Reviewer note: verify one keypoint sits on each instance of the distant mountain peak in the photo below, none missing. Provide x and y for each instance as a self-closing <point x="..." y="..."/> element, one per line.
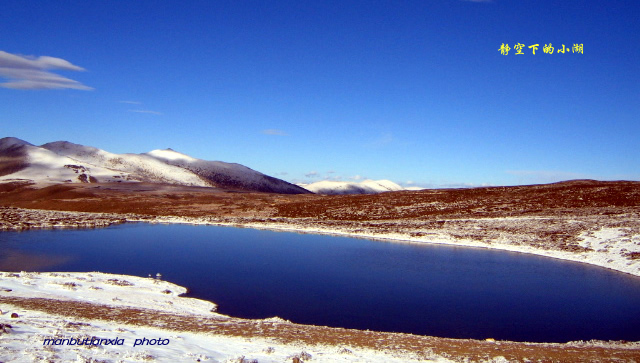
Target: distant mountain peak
<point x="341" y="187"/>
<point x="66" y="147"/>
<point x="12" y="142"/>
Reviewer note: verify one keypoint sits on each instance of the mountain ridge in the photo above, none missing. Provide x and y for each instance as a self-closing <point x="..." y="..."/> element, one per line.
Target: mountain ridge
<point x="66" y="162"/>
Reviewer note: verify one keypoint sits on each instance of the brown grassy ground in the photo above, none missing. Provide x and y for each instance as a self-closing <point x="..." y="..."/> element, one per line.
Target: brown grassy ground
<point x="575" y="198"/>
<point x="552" y="215"/>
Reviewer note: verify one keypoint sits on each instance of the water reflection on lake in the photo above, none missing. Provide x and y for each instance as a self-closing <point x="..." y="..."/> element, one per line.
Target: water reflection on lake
<point x="344" y="282"/>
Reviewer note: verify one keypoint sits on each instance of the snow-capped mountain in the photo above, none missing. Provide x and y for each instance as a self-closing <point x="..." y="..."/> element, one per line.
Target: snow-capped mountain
<point x="65" y="162"/>
<point x="224" y="175"/>
<point x="20" y="160"/>
<point x="136" y="167"/>
<point x="365" y="187"/>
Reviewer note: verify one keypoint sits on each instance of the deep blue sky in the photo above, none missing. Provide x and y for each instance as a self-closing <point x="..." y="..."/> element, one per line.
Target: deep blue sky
<point x="305" y="90"/>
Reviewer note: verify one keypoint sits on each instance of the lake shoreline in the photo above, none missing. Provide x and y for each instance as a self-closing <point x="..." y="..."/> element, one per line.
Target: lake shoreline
<point x="612" y="256"/>
<point x="610" y="261"/>
<point x="437" y="349"/>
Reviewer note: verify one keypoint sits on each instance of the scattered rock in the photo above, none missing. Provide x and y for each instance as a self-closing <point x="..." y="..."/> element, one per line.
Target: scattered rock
<point x="345" y="351"/>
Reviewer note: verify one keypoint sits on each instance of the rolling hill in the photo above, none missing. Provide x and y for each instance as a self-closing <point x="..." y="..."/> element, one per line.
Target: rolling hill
<point x="65" y="162"/>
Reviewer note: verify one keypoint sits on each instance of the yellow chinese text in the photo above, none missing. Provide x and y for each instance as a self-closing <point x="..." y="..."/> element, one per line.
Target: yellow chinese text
<point x="504" y="49"/>
<point x="518" y="47"/>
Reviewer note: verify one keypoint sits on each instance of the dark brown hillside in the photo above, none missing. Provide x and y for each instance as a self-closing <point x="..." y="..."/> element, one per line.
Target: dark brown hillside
<point x="550" y="216"/>
<point x="12" y="158"/>
<point x="566" y="198"/>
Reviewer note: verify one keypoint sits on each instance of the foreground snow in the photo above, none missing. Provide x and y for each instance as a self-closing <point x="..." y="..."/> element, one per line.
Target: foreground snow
<point x="38" y="336"/>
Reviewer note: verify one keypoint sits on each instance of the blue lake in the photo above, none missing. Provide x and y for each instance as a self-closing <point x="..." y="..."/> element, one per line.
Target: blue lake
<point x="344" y="282"/>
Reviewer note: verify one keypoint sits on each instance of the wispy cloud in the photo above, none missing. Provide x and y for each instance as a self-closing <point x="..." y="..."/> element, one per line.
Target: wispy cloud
<point x="147" y="111"/>
<point x="381" y="141"/>
<point x="138" y="103"/>
<point x="274" y="132"/>
<point x="31" y="73"/>
<point x="311" y="174"/>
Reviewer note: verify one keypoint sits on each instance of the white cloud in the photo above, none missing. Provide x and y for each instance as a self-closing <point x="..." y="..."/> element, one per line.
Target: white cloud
<point x="274" y="132"/>
<point x="356" y="177"/>
<point x="25" y="72"/>
<point x="311" y="174"/>
<point x="147" y="111"/>
<point x="131" y="102"/>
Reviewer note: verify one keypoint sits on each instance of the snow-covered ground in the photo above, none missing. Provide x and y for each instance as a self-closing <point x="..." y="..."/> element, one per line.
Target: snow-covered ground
<point x="33" y="335"/>
<point x="119" y="290"/>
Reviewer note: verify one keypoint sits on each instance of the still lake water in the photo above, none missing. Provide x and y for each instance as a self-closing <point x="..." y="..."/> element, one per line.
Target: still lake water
<point x="353" y="283"/>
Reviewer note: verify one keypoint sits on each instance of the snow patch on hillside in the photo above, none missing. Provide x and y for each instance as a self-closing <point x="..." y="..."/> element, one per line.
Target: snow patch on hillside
<point x="140" y="167"/>
<point x="46" y="167"/>
<point x="170" y="154"/>
<point x="607" y="242"/>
